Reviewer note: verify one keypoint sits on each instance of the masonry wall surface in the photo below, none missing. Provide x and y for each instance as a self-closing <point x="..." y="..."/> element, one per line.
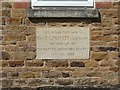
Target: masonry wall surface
<point x="18" y="42"/>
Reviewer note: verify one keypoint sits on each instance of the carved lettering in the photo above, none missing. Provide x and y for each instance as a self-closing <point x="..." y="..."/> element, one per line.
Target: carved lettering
<point x="62" y="43"/>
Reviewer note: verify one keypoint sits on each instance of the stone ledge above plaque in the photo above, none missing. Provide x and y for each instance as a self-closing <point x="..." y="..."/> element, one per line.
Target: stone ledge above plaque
<point x="62" y="43"/>
<point x="63" y="13"/>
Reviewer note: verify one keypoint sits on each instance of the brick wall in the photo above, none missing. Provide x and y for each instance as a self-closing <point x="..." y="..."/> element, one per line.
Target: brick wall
<point x="21" y="69"/>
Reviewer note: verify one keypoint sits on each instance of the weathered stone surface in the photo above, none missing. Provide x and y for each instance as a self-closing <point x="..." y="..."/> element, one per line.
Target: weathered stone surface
<point x="105" y="38"/>
<point x="6" y="5"/>
<point x="7" y="83"/>
<point x="30" y="31"/>
<point x="51" y="74"/>
<point x="35" y="63"/>
<point x="94" y="74"/>
<point x="31" y="38"/>
<point x="78" y="13"/>
<point x="65" y="69"/>
<point x="99" y="55"/>
<point x="92" y="63"/>
<point x="78" y="73"/>
<point x="39" y="69"/>
<point x="19" y="13"/>
<point x="14" y="21"/>
<point x="105" y="63"/>
<point x="113" y="44"/>
<point x="3" y="75"/>
<point x="13" y="37"/>
<point x="29" y="75"/>
<point x="62" y="43"/>
<point x="65" y="74"/>
<point x="83" y="81"/>
<point x="64" y="81"/>
<point x="36" y="82"/>
<point x="13" y="74"/>
<point x="98" y="43"/>
<point x="115" y="69"/>
<point x="16" y="63"/>
<point x="30" y="56"/>
<point x="5" y="55"/>
<point x="20" y="83"/>
<point x="56" y="63"/>
<point x="77" y="64"/>
<point x="4" y="63"/>
<point x="11" y="48"/>
<point x="39" y="82"/>
<point x="110" y="13"/>
<point x="2" y="21"/>
<point x="6" y="13"/>
<point x="21" y="55"/>
<point x="113" y="55"/>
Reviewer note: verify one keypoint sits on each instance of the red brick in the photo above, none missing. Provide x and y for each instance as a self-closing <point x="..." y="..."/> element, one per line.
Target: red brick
<point x="24" y="4"/>
<point x="103" y="5"/>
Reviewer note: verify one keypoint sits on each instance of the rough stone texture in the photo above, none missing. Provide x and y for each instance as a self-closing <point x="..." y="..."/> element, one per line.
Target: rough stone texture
<point x="65" y="74"/>
<point x="64" y="81"/>
<point x="5" y="56"/>
<point x="29" y="75"/>
<point x="16" y="63"/>
<point x="36" y="63"/>
<point x="6" y="5"/>
<point x="21" y="71"/>
<point x="67" y="13"/>
<point x="52" y="74"/>
<point x="77" y="64"/>
<point x="56" y="63"/>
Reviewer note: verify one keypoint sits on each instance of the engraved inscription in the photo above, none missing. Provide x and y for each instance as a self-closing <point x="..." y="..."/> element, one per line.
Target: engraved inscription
<point x="62" y="43"/>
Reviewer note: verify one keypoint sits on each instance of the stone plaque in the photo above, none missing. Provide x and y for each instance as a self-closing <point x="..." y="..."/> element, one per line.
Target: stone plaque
<point x="63" y="43"/>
